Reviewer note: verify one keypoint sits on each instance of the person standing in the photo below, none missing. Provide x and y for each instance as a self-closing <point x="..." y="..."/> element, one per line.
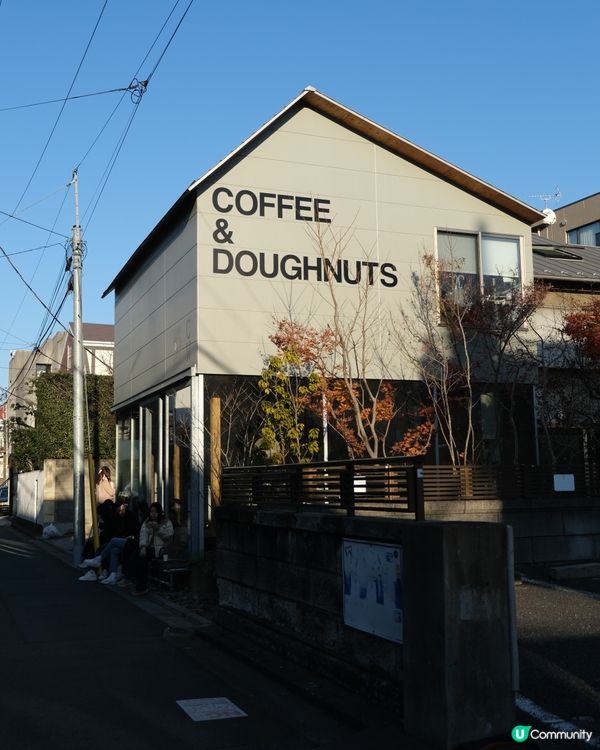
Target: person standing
<point x="105" y="500"/>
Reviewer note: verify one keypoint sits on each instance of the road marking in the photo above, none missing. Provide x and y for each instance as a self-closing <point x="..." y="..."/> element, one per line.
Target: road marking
<point x="551" y="720"/>
<point x="207" y="709"/>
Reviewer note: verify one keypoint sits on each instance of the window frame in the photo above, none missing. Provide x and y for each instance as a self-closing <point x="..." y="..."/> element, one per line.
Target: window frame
<point x="479" y="235"/>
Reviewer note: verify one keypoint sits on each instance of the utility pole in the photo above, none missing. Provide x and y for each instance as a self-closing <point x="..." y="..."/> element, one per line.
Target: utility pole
<point x="78" y="437"/>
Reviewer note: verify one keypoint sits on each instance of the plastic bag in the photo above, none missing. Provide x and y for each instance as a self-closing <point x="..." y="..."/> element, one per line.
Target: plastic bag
<point x="50" y="532"/>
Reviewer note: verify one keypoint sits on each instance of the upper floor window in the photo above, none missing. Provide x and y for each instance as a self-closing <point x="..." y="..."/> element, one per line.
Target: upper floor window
<point x="41" y="369"/>
<point x="586" y="235"/>
<point x="488" y="264"/>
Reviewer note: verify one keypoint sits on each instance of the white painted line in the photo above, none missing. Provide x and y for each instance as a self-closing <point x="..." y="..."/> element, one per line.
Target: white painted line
<point x="207" y="709"/>
<point x="551" y="720"/>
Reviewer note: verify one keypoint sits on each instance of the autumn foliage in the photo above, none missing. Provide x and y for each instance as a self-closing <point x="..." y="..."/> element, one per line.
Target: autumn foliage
<point x="583" y="327"/>
<point x="360" y="410"/>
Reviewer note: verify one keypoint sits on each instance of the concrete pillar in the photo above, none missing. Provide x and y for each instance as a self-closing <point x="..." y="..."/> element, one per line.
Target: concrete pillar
<point x="457" y="632"/>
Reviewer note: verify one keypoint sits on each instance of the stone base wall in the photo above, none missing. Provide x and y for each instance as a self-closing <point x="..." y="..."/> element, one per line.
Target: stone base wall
<point x="454" y="666"/>
<point x="562" y="530"/>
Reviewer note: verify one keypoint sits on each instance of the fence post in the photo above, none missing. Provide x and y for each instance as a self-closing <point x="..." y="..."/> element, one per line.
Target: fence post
<point x="296" y="487"/>
<point x="420" y="492"/>
<point x="415" y="492"/>
<point x="347" y="489"/>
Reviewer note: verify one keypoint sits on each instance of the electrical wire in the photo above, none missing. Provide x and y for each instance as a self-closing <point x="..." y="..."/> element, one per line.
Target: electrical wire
<point x="28" y="285"/>
<point x="139" y="86"/>
<point x="170" y="39"/>
<point x="31" y="224"/>
<point x="131" y="87"/>
<point x="39" y="161"/>
<point x="33" y="249"/>
<point x="91" y="209"/>
<point x="50" y="231"/>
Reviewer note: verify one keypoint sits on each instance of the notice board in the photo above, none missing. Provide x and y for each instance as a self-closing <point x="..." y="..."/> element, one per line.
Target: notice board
<point x="373" y="591"/>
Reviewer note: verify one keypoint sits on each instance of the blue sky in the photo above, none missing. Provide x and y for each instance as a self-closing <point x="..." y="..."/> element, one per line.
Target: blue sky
<point x="505" y="90"/>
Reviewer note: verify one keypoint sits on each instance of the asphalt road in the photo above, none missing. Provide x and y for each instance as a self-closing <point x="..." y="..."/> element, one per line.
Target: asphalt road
<point x="559" y="649"/>
<point x="83" y="667"/>
<point x="86" y="668"/>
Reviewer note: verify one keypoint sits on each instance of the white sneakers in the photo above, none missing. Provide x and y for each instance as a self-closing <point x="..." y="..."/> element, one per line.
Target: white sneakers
<point x="89" y="576"/>
<point x="93" y="562"/>
<point x="111" y="580"/>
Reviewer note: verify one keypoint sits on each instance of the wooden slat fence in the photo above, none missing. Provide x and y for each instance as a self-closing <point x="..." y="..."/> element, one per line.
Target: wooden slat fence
<point x="397" y="485"/>
<point x="353" y="487"/>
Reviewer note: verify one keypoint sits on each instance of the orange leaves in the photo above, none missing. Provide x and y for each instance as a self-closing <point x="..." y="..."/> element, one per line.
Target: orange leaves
<point x="584" y="328"/>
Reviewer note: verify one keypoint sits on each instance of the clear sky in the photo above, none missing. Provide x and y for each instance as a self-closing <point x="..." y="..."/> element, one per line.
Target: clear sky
<point x="506" y="90"/>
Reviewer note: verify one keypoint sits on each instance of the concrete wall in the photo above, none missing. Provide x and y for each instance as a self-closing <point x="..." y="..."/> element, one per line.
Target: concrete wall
<point x="28" y="501"/>
<point x="44" y="497"/>
<point x="563" y="530"/>
<point x="285" y="570"/>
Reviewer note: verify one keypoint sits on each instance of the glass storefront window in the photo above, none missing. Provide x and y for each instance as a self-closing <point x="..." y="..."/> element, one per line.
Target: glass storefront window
<point x="154" y="452"/>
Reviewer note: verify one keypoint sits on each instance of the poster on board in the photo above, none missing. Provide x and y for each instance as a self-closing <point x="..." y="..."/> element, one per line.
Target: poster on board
<point x="373" y="595"/>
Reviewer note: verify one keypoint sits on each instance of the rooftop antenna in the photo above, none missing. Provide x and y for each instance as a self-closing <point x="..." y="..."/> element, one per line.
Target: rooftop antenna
<point x="549" y="215"/>
<point x="547" y="198"/>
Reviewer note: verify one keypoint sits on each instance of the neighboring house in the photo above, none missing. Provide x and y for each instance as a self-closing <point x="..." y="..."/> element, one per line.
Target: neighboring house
<point x="250" y="240"/>
<point x="568" y="389"/>
<point x="577" y="223"/>
<point x="55" y="355"/>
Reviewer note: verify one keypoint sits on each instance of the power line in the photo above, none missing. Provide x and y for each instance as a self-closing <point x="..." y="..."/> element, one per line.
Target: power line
<point x="28" y="285"/>
<point x="171" y="38"/>
<point x="31" y="224"/>
<point x="39" y="161"/>
<point x="33" y="249"/>
<point x="143" y="87"/>
<point x="17" y="311"/>
<point x="132" y="87"/>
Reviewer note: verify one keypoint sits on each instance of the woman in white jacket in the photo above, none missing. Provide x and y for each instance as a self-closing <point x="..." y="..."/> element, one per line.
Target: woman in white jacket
<point x="155" y="534"/>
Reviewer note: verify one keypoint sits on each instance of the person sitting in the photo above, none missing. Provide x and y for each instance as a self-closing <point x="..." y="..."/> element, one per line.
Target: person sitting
<point x="125" y="529"/>
<point x="155" y="534"/>
<point x="178" y="548"/>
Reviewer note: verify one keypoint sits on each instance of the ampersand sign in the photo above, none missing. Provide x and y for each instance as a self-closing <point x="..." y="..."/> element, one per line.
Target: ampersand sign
<point x="222" y="233"/>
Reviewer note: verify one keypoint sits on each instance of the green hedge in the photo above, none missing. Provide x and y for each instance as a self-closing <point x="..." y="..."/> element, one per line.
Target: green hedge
<point x="52" y="436"/>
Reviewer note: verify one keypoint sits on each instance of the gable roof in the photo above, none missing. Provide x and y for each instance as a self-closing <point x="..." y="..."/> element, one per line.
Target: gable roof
<point x="337" y="112"/>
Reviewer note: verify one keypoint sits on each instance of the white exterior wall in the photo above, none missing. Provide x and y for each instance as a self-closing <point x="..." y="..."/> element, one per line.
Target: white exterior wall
<point x="388" y="208"/>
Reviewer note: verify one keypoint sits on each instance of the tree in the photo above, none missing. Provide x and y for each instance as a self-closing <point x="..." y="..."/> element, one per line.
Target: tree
<point x="583" y="326"/>
<point x="287" y="388"/>
<point x="465" y="343"/>
<point x="354" y="354"/>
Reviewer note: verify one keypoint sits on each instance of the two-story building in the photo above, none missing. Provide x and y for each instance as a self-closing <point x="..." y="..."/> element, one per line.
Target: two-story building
<point x="317" y="206"/>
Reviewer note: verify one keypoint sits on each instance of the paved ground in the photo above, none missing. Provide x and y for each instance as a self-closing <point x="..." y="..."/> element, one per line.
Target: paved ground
<point x="86" y="668"/>
<point x="559" y="648"/>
